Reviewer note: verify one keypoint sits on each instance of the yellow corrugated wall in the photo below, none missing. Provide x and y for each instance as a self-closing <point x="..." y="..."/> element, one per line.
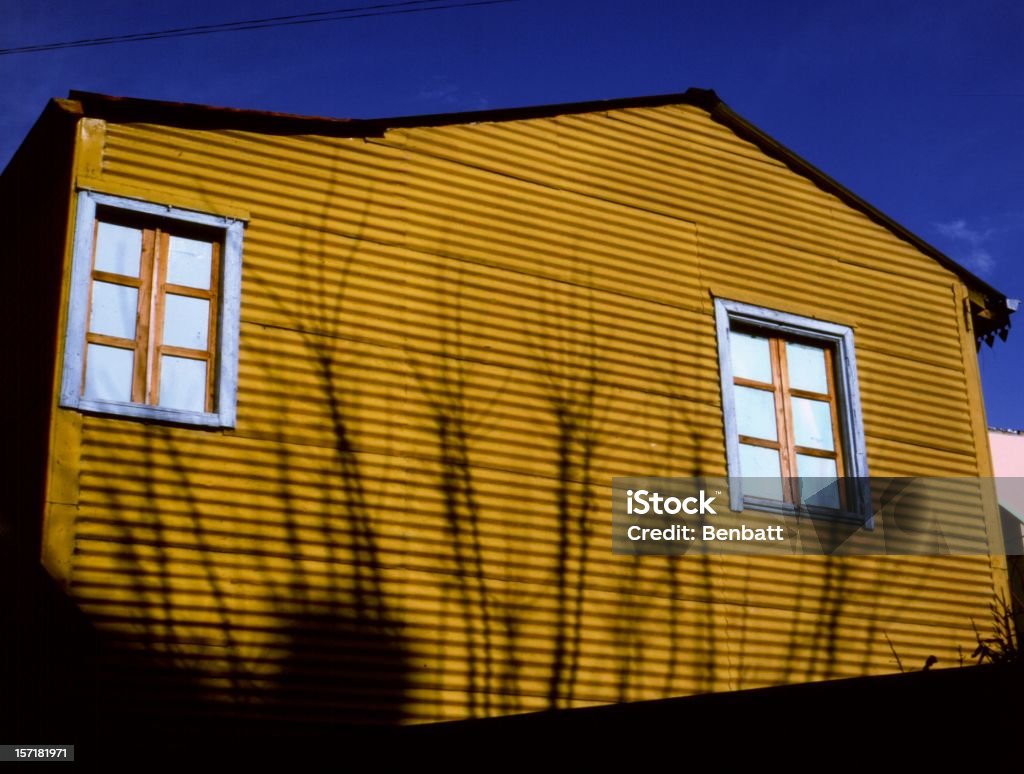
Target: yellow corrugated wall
<point x="452" y="338"/>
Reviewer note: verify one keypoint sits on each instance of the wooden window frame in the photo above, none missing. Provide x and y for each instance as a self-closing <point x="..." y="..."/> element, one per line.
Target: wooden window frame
<point x="837" y="341"/>
<point x="221" y="355"/>
<point x="783" y="393"/>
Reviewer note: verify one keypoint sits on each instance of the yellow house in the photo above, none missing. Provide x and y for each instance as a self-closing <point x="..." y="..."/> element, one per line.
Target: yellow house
<point x="315" y="421"/>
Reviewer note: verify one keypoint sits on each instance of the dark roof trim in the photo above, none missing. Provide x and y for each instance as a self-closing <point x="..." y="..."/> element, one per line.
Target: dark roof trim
<point x="190" y="115"/>
<point x="187" y="114"/>
<point x="772" y="147"/>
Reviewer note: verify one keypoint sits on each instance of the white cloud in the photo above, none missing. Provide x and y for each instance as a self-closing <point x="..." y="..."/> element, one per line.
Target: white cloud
<point x="981" y="261"/>
<point x="972" y="242"/>
<point x="957" y="229"/>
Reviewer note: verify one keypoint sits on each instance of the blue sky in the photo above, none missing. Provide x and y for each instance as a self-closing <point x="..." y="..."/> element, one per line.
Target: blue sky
<point x="917" y="107"/>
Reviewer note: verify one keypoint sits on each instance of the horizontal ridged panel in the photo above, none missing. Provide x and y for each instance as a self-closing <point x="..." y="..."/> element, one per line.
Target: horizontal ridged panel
<point x="340" y="195"/>
<point x="737" y="218"/>
<point x="452" y="338"/>
<point x="516" y="409"/>
<point x="457" y="210"/>
<point x="421" y="304"/>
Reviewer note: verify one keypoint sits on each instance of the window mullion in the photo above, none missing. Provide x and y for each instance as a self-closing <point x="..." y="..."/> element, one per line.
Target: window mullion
<point x="211" y="343"/>
<point x="157" y="330"/>
<point x="144" y="317"/>
<point x="785" y="421"/>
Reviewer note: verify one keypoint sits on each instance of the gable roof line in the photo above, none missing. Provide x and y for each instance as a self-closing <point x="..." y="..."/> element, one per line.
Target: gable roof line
<point x="774" y="148"/>
<point x="191" y="115"/>
<point x="127" y="109"/>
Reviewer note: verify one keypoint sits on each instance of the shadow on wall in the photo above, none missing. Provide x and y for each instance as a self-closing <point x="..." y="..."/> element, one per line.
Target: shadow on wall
<point x="65" y="681"/>
<point x="210" y="614"/>
<point x="233" y="611"/>
<point x="219" y="614"/>
<point x="293" y="638"/>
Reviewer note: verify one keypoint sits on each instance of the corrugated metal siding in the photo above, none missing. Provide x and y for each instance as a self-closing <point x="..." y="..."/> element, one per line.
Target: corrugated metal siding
<point x="451" y="339"/>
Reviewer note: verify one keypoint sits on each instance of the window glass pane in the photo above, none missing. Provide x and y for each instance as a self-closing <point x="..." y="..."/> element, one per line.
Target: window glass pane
<point x="750" y="356"/>
<point x="118" y="249"/>
<point x="762" y="476"/>
<point x="806" y="368"/>
<point x="812" y="424"/>
<point x="755" y="413"/>
<point x="108" y="373"/>
<point x="189" y="262"/>
<point x="114" y="308"/>
<point x="182" y="383"/>
<point x="818" y="482"/>
<point x="186" y="321"/>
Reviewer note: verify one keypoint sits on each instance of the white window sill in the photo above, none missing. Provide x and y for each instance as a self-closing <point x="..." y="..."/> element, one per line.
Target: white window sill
<point x="157" y="413"/>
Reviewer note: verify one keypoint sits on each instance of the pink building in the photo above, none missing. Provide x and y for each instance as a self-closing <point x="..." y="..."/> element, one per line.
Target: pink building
<point x="1007" y="452"/>
<point x="1008" y="463"/>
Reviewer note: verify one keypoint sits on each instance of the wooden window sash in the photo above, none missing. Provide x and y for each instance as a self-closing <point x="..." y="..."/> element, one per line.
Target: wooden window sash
<point x="97" y="275"/>
<point x="185" y="352"/>
<point x="743" y="381"/>
<point x="185" y="290"/>
<point x="810" y="451"/>
<point x="785" y="431"/>
<point x="160" y="275"/>
<point x="765" y="443"/>
<point x="212" y="327"/>
<point x="110" y="341"/>
<point x="160" y="306"/>
<point x="809" y="394"/>
<point x="145" y="315"/>
<point x="117" y="279"/>
<point x="784" y="416"/>
<point x="153" y="287"/>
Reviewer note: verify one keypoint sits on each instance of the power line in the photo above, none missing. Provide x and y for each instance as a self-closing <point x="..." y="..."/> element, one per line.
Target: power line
<point x="358" y="12"/>
<point x="202" y="28"/>
<point x="313" y="17"/>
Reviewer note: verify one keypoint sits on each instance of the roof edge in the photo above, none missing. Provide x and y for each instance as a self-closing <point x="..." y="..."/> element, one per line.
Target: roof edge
<point x="773" y="147"/>
<point x="991" y="309"/>
<point x="193" y="115"/>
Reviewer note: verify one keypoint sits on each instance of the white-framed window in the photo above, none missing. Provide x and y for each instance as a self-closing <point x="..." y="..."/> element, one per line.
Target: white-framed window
<point x="792" y="414"/>
<point x="153" y="312"/>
